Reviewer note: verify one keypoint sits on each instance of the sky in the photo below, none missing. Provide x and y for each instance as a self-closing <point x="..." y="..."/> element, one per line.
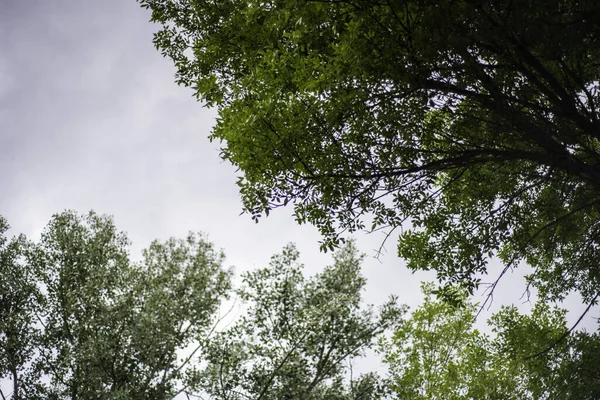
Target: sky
<point x="90" y="118"/>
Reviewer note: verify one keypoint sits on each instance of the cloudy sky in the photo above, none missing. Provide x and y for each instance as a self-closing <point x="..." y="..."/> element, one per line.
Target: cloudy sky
<point x="90" y="119"/>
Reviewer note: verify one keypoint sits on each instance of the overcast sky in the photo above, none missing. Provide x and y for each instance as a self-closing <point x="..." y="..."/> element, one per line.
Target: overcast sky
<point x="90" y="118"/>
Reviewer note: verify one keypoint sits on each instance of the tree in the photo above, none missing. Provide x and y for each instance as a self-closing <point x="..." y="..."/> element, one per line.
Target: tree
<point x="438" y="354"/>
<point x="580" y="376"/>
<point x="19" y="302"/>
<point x="297" y="335"/>
<point x="473" y="125"/>
<point x="106" y="327"/>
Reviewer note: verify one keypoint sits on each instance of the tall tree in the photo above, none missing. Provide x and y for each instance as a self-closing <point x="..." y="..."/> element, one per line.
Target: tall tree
<point x="298" y="335"/>
<point x="105" y="327"/>
<point x="20" y="301"/>
<point x="474" y="123"/>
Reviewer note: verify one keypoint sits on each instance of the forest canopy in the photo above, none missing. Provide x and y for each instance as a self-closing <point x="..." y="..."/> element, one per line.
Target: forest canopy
<point x="80" y="320"/>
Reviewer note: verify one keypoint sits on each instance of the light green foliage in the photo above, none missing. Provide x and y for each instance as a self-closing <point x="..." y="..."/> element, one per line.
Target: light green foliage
<point x="298" y="335"/>
<point x="477" y="122"/>
<point x="79" y="320"/>
<point x="84" y="269"/>
<point x="438" y="354"/>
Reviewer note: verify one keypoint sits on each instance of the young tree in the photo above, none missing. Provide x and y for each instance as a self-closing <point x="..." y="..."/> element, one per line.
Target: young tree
<point x="475" y="122"/>
<point x="439" y="354"/>
<point x="297" y="335"/>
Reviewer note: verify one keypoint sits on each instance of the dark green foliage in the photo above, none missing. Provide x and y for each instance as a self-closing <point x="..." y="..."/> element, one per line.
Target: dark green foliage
<point x="474" y="123"/>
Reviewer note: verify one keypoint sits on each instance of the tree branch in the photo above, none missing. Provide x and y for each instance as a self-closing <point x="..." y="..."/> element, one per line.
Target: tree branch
<point x="567" y="333"/>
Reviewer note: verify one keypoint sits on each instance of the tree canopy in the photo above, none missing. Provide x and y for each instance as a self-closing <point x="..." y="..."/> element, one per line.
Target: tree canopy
<point x="438" y="353"/>
<point x="471" y="125"/>
<point x="80" y="320"/>
<point x="299" y="335"/>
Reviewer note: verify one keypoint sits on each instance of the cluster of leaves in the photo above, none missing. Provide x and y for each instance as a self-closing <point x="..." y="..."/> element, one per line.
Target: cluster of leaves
<point x="79" y="320"/>
<point x="476" y="124"/>
<point x="439" y="354"/>
<point x="297" y="334"/>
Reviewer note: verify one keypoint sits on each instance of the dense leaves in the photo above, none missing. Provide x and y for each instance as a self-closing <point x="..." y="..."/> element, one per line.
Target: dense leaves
<point x="81" y="321"/>
<point x="474" y="123"/>
<point x="19" y="297"/>
<point x="439" y="354"/>
<point x="298" y="335"/>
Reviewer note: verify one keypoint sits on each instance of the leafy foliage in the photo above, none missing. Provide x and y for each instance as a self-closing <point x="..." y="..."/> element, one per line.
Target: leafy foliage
<point x="81" y="321"/>
<point x="19" y="302"/>
<point x="473" y="123"/>
<point x="297" y="334"/>
<point x="438" y="354"/>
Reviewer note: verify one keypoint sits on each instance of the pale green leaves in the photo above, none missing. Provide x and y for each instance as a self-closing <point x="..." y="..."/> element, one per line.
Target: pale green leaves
<point x="439" y="354"/>
<point x="96" y="325"/>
